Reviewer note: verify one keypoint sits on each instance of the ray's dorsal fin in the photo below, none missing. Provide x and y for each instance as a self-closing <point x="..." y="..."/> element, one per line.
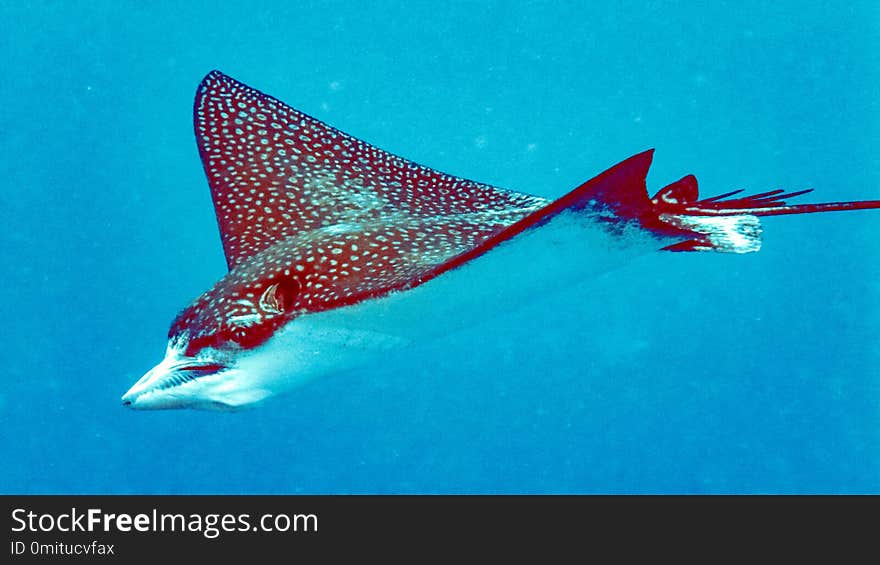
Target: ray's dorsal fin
<point x="275" y="172"/>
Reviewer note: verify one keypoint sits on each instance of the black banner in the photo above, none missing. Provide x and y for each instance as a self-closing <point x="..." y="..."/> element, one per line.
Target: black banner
<point x="129" y="529"/>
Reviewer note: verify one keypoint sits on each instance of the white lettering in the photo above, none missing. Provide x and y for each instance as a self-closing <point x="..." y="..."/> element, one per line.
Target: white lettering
<point x="19" y="520"/>
<point x="94" y="518"/>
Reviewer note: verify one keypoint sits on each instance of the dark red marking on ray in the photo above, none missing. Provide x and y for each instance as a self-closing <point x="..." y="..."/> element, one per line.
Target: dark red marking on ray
<point x="284" y="294"/>
<point x="688" y="245"/>
<point x="682" y="190"/>
<point x="720" y="196"/>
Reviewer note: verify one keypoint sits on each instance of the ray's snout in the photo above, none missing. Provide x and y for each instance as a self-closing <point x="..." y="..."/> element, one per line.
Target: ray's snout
<point x="150" y="385"/>
<point x="173" y="383"/>
<point x="139" y="387"/>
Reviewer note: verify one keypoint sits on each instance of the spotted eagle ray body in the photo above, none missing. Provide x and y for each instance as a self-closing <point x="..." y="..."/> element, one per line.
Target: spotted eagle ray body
<point x="339" y="251"/>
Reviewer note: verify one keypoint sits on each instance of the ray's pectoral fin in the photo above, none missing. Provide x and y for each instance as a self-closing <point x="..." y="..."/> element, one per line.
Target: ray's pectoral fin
<point x="277" y="173"/>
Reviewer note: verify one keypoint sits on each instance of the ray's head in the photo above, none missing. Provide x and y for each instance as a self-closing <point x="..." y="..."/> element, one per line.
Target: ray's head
<point x="208" y="341"/>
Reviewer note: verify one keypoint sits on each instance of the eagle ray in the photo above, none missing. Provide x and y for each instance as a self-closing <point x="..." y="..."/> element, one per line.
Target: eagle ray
<point x="340" y="252"/>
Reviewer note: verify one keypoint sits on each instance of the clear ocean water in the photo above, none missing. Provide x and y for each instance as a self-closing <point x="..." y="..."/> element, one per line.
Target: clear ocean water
<point x="676" y="373"/>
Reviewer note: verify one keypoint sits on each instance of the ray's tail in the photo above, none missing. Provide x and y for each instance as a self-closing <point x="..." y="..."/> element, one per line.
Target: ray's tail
<point x="731" y="224"/>
<point x="720" y="223"/>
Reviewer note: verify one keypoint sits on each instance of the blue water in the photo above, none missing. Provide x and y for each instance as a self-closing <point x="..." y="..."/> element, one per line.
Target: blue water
<point x="678" y="373"/>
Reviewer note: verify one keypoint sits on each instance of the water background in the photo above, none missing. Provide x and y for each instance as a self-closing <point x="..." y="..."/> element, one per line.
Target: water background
<point x="678" y="373"/>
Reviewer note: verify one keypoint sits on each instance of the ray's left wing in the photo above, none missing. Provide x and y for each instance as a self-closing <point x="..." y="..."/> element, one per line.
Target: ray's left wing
<point x="275" y="172"/>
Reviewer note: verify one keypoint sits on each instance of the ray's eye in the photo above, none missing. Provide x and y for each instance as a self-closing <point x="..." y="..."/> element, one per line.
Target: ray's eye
<point x="280" y="297"/>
